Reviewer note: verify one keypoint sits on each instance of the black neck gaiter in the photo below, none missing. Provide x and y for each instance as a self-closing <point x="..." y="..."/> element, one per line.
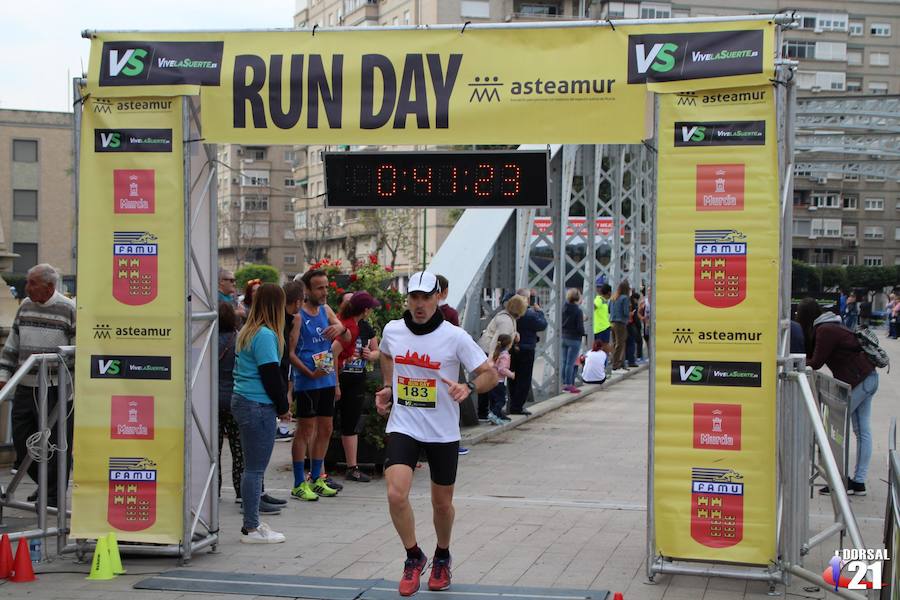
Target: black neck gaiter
<point x="423" y="328"/>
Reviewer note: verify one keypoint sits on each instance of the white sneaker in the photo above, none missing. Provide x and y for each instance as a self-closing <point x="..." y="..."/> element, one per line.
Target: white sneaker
<point x="262" y="535"/>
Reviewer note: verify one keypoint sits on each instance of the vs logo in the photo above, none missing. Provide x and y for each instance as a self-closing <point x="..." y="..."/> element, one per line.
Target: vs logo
<point x="110" y="139"/>
<point x="697" y="133"/>
<point x="130" y="63"/>
<point x="660" y="58"/>
<point x="692" y="373"/>
<point x="109" y="368"/>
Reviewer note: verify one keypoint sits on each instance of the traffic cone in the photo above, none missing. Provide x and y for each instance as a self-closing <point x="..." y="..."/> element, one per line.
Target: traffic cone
<point x="618" y="596"/>
<point x="114" y="558"/>
<point x="101" y="567"/>
<point x="6" y="557"/>
<point x="23" y="572"/>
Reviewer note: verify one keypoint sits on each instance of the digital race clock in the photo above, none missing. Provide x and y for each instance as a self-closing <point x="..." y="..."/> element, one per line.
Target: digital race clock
<point x="481" y="179"/>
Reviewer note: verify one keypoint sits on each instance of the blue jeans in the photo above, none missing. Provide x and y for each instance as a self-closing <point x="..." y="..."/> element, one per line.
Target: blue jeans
<point x="860" y="419"/>
<point x="570" y="350"/>
<point x="498" y="399"/>
<point x="257" y="426"/>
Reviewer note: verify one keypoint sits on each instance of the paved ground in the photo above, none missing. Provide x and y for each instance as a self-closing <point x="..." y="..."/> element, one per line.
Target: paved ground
<point x="559" y="500"/>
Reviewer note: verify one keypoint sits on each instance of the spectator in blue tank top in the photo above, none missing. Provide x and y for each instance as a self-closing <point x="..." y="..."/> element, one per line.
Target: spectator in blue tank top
<point x="315" y="327"/>
<point x="259" y="396"/>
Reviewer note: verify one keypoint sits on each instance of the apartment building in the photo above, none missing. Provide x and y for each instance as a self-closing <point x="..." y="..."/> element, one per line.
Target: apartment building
<point x="407" y="238"/>
<point x="257" y="194"/>
<point x="843" y="48"/>
<point x="37" y="208"/>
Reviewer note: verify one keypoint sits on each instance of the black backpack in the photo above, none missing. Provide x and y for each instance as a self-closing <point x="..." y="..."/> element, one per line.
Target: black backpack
<point x="868" y="341"/>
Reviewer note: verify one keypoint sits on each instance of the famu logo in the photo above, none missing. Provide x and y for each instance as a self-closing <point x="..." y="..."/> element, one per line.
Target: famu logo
<point x="132" y="140"/>
<point x="716" y="373"/>
<point x="680" y="56"/>
<point x="160" y="63"/>
<point x="719" y="133"/>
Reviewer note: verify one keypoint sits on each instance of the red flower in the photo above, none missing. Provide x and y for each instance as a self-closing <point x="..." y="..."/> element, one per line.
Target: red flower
<point x="389" y="269"/>
<point x="373" y="259"/>
<point x="387" y="305"/>
<point x="353" y="277"/>
<point x="340" y="290"/>
<point x="332" y="284"/>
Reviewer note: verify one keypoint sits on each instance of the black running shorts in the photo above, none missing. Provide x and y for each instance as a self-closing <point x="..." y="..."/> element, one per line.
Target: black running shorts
<point x="314" y="403"/>
<point x="443" y="457"/>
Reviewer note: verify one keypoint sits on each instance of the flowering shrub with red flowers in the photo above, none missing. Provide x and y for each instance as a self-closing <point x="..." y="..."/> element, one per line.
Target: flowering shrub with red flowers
<point x="364" y="275"/>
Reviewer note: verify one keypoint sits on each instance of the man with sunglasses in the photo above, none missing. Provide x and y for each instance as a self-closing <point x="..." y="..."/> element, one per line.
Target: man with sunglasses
<point x="420" y="359"/>
<point x="227" y="292"/>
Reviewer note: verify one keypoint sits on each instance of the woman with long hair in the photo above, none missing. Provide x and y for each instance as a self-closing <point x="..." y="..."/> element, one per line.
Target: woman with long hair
<point x="619" y="308"/>
<point x="828" y="342"/>
<point x="572" y="332"/>
<point x="227" y="425"/>
<point x="352" y="358"/>
<point x="259" y="397"/>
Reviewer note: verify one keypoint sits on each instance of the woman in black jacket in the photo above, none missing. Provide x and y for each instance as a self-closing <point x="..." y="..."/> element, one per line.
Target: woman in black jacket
<point x="829" y="343"/>
<point x="227" y="425"/>
<point x="572" y="332"/>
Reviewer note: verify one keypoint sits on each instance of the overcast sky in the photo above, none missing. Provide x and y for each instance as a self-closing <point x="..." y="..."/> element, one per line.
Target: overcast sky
<point x="42" y="48"/>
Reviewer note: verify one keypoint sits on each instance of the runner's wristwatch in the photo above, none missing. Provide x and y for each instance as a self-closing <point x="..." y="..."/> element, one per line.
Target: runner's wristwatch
<point x="470" y="385"/>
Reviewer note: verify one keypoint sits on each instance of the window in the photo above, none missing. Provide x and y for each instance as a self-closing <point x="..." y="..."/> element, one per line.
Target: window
<point x="802" y="227"/>
<point x="650" y="10"/>
<point x="856" y="28"/>
<point x="807" y="21"/>
<point x="873" y="261"/>
<point x="874" y="204"/>
<point x="251" y="178"/>
<point x="879" y="59"/>
<point x="290" y="259"/>
<point x="290" y="156"/>
<point x="255" y="153"/>
<point x="875" y="178"/>
<point x="878" y="87"/>
<point x="289" y="205"/>
<point x="25" y="151"/>
<point x="539" y="9"/>
<point x="831" y="22"/>
<point x="406" y="18"/>
<point x="851" y="202"/>
<point x="826" y="199"/>
<point x="831" y="51"/>
<point x="897" y="233"/>
<point x="880" y="29"/>
<point x="480" y="9"/>
<point x="289" y="182"/>
<point x="848" y="260"/>
<point x="897" y="260"/>
<point x="25" y="205"/>
<point x="854" y="58"/>
<point x="848" y="232"/>
<point x="874" y="232"/>
<point x="796" y="49"/>
<point x="828" y="228"/>
<point x="28" y="257"/>
<point x="257" y="229"/>
<point x="854" y="84"/>
<point x="288" y="234"/>
<point x="255" y="203"/>
<point x="300" y="219"/>
<point x="830" y="80"/>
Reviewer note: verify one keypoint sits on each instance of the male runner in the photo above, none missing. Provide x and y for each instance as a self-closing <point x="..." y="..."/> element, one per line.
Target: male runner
<point x="420" y="359"/>
<point x="315" y="326"/>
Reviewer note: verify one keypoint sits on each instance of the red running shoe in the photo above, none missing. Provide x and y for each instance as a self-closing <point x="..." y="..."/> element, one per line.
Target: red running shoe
<point x="440" y="574"/>
<point x="412" y="571"/>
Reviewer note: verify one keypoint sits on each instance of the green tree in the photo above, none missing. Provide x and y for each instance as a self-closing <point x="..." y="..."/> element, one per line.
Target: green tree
<point x="834" y="276"/>
<point x="871" y="278"/>
<point x="265" y="273"/>
<point x="805" y="279"/>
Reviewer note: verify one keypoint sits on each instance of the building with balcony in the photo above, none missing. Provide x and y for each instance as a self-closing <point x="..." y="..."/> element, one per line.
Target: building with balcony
<point x="843" y="48"/>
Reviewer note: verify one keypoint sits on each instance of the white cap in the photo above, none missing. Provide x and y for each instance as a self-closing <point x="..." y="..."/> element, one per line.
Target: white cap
<point x="423" y="281"/>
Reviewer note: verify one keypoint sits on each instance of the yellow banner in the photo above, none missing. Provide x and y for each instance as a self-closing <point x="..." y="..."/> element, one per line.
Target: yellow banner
<point x="443" y="86"/>
<point x="716" y="311"/>
<point x="129" y="423"/>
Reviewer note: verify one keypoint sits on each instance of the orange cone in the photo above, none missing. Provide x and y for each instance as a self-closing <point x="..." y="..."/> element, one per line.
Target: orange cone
<point x="6" y="557"/>
<point x="23" y="572"/>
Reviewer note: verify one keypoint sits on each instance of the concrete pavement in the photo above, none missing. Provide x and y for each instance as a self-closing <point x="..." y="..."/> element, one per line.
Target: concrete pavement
<point x="559" y="500"/>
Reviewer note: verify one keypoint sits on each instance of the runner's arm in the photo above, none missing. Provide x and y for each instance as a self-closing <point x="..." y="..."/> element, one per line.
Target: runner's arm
<point x="385" y="395"/>
<point x="336" y="329"/>
<point x="292" y="349"/>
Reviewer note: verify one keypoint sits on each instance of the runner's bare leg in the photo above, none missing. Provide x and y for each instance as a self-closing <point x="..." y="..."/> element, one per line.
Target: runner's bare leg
<point x="399" y="481"/>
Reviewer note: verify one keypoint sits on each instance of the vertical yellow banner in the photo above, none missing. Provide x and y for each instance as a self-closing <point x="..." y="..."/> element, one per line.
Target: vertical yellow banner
<point x="716" y="326"/>
<point x="129" y="422"/>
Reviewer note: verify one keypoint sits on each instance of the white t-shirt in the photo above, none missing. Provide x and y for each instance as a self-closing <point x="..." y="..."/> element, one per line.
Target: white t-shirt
<point x="594" y="366"/>
<point x="423" y="409"/>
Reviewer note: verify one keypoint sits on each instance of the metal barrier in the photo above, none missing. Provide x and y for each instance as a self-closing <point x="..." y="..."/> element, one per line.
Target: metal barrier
<point x="43" y="363"/>
<point x="892" y="516"/>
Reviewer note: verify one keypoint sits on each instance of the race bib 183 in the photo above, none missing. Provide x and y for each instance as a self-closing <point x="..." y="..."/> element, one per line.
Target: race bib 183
<point x="417" y="393"/>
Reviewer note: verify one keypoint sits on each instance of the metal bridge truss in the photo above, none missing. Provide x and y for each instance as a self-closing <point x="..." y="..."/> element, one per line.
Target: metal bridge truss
<point x="605" y="194"/>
